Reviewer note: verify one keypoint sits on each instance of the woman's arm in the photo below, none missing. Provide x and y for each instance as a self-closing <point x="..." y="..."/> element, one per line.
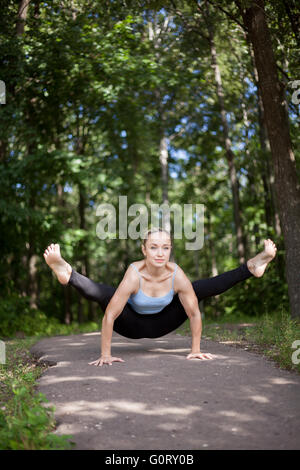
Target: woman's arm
<point x="116" y="304"/>
<point x="188" y="298"/>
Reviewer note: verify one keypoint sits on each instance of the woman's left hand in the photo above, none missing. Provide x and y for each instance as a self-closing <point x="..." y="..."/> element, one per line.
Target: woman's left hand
<point x="199" y="355"/>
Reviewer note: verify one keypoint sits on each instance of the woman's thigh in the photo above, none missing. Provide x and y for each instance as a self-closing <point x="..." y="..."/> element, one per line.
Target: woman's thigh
<point x="91" y="290"/>
<point x="218" y="284"/>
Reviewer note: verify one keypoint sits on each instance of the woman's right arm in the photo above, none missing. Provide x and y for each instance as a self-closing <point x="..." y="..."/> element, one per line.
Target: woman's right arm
<point x="116" y="304"/>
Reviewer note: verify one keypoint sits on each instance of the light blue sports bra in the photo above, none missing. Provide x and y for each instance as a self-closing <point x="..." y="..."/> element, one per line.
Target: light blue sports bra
<point x="143" y="303"/>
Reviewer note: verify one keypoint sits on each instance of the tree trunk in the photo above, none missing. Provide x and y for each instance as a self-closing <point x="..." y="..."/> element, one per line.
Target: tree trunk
<point x="271" y="207"/>
<point x="81" y="248"/>
<point x="294" y="16"/>
<point x="286" y="182"/>
<point x="33" y="284"/>
<point x="66" y="289"/>
<point x="197" y="270"/>
<point x="227" y="142"/>
<point x="22" y="15"/>
<point x="163" y="159"/>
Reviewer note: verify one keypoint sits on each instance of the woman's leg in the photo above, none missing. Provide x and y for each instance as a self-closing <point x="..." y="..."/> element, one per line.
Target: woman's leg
<point x="216" y="285"/>
<point x="66" y="275"/>
<point x="91" y="290"/>
<point x="254" y="267"/>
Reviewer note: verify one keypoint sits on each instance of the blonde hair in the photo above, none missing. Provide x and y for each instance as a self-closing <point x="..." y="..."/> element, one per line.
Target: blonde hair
<point x="154" y="230"/>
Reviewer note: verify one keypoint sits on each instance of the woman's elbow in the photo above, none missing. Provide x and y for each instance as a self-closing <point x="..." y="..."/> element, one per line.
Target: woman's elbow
<point x="110" y="315"/>
<point x="195" y="313"/>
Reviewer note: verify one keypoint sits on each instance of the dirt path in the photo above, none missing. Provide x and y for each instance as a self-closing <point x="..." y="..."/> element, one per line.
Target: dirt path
<point x="158" y="399"/>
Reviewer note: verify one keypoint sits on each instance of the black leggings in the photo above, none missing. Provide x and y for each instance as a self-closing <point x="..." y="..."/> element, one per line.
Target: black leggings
<point x="135" y="325"/>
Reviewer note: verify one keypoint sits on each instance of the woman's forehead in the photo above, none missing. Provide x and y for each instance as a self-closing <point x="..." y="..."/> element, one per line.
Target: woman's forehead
<point x="161" y="238"/>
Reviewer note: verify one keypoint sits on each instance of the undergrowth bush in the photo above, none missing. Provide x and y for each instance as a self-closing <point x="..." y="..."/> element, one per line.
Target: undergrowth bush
<point x="17" y="316"/>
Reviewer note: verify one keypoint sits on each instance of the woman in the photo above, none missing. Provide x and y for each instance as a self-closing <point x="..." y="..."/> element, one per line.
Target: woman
<point x="155" y="296"/>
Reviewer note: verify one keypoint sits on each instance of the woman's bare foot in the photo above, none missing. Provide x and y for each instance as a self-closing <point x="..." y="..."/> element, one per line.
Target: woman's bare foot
<point x="258" y="264"/>
<point x="59" y="266"/>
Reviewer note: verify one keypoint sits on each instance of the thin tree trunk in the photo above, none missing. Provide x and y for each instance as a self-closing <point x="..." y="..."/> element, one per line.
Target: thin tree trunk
<point x="294" y="16"/>
<point x="271" y="205"/>
<point x="286" y="182"/>
<point x="66" y="289"/>
<point x="163" y="159"/>
<point x="214" y="270"/>
<point x="198" y="274"/>
<point x="81" y="248"/>
<point x="32" y="285"/>
<point x="22" y="16"/>
<point x="227" y="142"/>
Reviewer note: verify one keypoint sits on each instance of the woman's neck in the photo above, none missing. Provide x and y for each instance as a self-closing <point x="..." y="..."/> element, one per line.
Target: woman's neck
<point x="155" y="271"/>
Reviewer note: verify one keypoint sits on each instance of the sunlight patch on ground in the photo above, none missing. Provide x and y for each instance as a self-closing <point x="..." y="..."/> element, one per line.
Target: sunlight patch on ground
<point x="281" y="381"/>
<point x="109" y="409"/>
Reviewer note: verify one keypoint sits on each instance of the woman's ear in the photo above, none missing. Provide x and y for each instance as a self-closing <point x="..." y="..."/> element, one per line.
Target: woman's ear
<point x="143" y="250"/>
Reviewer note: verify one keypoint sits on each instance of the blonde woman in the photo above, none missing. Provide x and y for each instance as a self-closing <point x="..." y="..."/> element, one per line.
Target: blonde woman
<point x="155" y="296"/>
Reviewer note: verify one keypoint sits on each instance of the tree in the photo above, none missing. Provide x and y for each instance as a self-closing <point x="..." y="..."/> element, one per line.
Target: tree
<point x="286" y="181"/>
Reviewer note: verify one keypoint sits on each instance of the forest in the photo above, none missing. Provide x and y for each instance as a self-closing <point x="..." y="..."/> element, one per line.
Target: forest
<point x="174" y="102"/>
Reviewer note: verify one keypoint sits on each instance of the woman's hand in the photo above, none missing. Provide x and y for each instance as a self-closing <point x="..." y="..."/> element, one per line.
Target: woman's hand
<point x="199" y="355"/>
<point x="105" y="360"/>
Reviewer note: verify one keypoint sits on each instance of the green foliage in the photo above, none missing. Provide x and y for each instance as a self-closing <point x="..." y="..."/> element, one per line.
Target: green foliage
<point x="276" y="333"/>
<point x="17" y="316"/>
<point x="26" y="421"/>
<point x="28" y="427"/>
<point x="90" y="93"/>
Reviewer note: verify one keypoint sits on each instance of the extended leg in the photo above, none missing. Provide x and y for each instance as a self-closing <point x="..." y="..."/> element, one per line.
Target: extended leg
<point x="216" y="285"/>
<point x="91" y="290"/>
<point x="254" y="267"/>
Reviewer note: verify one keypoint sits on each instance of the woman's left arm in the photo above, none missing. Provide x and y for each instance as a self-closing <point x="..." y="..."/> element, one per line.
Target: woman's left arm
<point x="190" y="304"/>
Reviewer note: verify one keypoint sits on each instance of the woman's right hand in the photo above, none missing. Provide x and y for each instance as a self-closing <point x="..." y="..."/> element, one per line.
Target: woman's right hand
<point x="105" y="360"/>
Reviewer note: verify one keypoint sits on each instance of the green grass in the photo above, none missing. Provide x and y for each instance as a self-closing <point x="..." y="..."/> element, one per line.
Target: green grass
<point x="26" y="421"/>
<point x="270" y="335"/>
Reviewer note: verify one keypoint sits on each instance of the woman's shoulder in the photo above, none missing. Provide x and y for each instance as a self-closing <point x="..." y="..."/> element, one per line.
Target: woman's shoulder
<point x="172" y="266"/>
<point x="137" y="264"/>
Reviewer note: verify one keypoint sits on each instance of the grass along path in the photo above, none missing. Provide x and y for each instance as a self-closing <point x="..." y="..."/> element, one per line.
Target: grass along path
<point x="25" y="422"/>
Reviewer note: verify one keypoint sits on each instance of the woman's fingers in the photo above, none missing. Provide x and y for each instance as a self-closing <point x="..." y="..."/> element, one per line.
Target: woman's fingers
<point x="108" y="361"/>
<point x="208" y="356"/>
<point x="202" y="356"/>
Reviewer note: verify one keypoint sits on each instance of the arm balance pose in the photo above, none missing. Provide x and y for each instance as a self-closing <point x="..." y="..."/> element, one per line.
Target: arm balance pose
<point x="144" y="305"/>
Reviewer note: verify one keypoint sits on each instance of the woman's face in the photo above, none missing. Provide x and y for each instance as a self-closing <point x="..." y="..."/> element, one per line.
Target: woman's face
<point x="157" y="249"/>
